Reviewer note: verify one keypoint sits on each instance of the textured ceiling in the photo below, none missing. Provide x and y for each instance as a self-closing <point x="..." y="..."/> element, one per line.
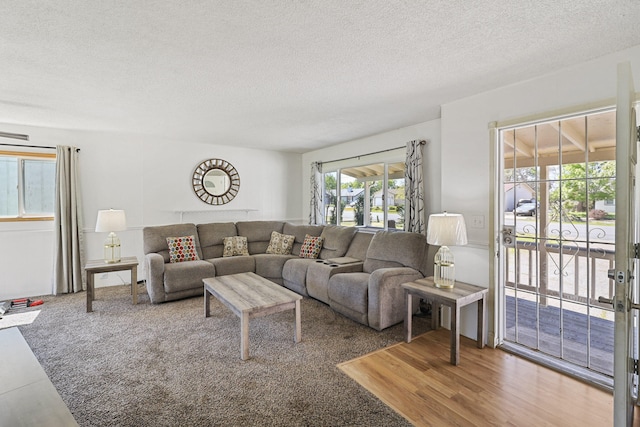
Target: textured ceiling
<point x="292" y="75"/>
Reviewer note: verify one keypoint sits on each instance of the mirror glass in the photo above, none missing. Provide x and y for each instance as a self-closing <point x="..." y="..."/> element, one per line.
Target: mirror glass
<point x="216" y="181"/>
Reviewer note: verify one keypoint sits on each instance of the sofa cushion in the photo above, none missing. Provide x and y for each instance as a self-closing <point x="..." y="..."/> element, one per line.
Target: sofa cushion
<point x="258" y="233"/>
<point x="350" y="291"/>
<point x="319" y="273"/>
<point x="300" y="231"/>
<point x="336" y="240"/>
<point x="235" y="246"/>
<point x="182" y="249"/>
<point x="359" y="245"/>
<point x="234" y="265"/>
<point x="186" y="275"/>
<point x="294" y="274"/>
<point x="311" y="247"/>
<point x="280" y="244"/>
<point x="155" y="238"/>
<point x="396" y="249"/>
<point x="270" y="266"/>
<point x="212" y="237"/>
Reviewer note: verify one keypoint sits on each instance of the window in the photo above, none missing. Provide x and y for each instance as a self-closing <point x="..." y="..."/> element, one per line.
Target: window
<point x="27" y="186"/>
<point x="369" y="195"/>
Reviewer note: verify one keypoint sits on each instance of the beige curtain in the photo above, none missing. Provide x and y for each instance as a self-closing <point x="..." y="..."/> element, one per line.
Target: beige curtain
<point x="414" y="189"/>
<point x="68" y="274"/>
<point x="315" y="199"/>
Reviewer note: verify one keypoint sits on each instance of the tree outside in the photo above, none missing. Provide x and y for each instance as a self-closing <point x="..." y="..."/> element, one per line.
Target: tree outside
<point x="584" y="184"/>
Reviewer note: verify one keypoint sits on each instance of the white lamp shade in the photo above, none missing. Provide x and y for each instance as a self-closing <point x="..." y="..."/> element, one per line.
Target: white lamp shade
<point x="111" y="220"/>
<point x="446" y="230"/>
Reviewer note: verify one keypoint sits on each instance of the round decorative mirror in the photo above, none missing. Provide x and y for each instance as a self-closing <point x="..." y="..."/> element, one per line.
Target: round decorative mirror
<point x="216" y="181"/>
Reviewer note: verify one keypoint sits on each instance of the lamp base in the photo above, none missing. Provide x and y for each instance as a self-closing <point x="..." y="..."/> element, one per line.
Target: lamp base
<point x="112" y="249"/>
<point x="444" y="285"/>
<point x="444" y="269"/>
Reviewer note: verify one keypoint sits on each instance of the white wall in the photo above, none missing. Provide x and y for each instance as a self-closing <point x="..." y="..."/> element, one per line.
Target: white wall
<point x="466" y="148"/>
<point x="150" y="179"/>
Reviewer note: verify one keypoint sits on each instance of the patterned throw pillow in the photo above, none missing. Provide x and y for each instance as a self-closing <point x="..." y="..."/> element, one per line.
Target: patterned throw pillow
<point x="311" y="246"/>
<point x="236" y="245"/>
<point x="281" y="244"/>
<point x="182" y="249"/>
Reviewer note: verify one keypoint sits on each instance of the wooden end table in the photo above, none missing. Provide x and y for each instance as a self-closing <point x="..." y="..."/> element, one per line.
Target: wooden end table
<point x="100" y="266"/>
<point x="249" y="295"/>
<point x="457" y="297"/>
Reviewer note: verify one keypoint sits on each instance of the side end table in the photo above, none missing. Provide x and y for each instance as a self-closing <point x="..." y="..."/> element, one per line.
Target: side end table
<point x="99" y="266"/>
<point x="457" y="297"/>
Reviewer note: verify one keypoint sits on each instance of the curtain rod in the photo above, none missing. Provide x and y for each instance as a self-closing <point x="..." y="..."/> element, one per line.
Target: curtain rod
<point x="46" y="147"/>
<point x="368" y="154"/>
<point x="14" y="136"/>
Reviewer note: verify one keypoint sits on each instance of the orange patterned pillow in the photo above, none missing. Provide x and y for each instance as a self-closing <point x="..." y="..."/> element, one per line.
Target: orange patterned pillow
<point x="182" y="249"/>
<point x="311" y="246"/>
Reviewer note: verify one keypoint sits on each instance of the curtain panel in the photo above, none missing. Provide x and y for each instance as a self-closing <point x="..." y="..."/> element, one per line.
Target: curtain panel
<point x="414" y="189"/>
<point x="68" y="274"/>
<point x="315" y="203"/>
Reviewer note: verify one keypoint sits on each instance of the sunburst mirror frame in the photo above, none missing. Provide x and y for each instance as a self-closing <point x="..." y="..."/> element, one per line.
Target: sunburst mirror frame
<point x="203" y="178"/>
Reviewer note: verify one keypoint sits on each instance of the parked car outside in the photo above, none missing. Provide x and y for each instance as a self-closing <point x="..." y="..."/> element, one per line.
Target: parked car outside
<point x="527" y="209"/>
<point x="523" y="201"/>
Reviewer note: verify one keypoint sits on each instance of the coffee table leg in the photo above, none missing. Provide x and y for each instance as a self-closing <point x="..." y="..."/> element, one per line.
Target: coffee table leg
<point x="244" y="336"/>
<point x="298" y="332"/>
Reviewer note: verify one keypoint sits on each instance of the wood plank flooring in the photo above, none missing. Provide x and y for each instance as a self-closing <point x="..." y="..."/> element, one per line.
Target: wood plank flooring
<point x="488" y="387"/>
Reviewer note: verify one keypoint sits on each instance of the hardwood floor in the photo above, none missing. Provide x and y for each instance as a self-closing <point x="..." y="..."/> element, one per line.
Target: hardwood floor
<point x="488" y="387"/>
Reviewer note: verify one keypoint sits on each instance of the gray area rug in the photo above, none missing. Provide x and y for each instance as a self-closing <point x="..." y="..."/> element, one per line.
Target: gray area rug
<point x="168" y="365"/>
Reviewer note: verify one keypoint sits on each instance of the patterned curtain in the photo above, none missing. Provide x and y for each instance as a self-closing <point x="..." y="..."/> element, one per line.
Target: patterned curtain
<point x="414" y="189"/>
<point x="315" y="203"/>
<point x="68" y="275"/>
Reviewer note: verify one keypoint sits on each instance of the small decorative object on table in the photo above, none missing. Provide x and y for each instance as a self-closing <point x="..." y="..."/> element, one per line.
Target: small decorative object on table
<point x="109" y="221"/>
<point x="445" y="230"/>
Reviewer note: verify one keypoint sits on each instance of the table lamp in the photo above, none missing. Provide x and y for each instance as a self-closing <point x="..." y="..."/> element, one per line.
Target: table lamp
<point x="444" y="230"/>
<point x="110" y="221"/>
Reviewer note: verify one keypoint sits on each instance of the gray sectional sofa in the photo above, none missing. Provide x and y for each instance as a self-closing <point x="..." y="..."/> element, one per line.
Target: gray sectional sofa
<point x="357" y="273"/>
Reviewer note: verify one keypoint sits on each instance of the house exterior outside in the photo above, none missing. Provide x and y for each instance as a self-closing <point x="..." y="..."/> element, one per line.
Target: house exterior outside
<point x="609" y="206"/>
<point x="515" y="192"/>
<point x="394" y="197"/>
<point x="350" y="195"/>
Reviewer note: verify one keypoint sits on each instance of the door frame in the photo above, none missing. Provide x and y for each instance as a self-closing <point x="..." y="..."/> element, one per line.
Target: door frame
<point x="625" y="334"/>
<point x="496" y="320"/>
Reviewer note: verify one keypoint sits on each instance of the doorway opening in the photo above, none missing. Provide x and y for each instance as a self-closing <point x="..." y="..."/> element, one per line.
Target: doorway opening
<point x="557" y="206"/>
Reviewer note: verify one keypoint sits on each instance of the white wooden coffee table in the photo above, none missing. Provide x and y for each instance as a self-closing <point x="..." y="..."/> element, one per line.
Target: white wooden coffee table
<point x="249" y="295"/>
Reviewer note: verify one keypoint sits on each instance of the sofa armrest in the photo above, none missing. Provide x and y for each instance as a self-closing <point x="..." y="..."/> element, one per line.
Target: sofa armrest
<point x="154" y="268"/>
<point x="386" y="296"/>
